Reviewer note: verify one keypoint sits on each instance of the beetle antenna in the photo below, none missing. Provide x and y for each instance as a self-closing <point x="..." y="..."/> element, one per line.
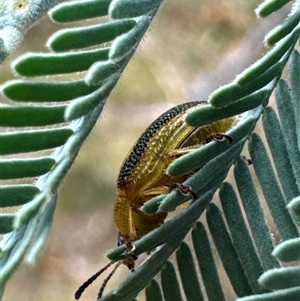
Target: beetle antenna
<point x="107" y="279"/>
<point x="82" y="288"/>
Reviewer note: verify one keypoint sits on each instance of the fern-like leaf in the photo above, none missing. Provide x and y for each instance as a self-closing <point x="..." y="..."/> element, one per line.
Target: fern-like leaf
<point x="83" y="101"/>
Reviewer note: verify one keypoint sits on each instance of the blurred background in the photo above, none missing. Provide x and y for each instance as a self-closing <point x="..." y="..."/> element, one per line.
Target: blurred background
<point x="192" y="48"/>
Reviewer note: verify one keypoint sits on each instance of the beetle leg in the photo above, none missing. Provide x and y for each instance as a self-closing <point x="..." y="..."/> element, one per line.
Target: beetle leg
<point x="185" y="150"/>
<point x="129" y="261"/>
<point x="184" y="189"/>
<point x="131" y="247"/>
<point x="182" y="151"/>
<point x="154" y="191"/>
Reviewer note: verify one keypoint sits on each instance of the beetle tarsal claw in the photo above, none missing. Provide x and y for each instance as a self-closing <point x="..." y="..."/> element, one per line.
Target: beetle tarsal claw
<point x="218" y="137"/>
<point x="184" y="189"/>
<point x="130" y="247"/>
<point x="247" y="160"/>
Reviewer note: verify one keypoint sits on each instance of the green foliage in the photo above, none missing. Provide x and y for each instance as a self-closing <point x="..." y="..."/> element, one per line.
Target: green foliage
<point x="251" y="262"/>
<point x="28" y="228"/>
<point x="244" y="243"/>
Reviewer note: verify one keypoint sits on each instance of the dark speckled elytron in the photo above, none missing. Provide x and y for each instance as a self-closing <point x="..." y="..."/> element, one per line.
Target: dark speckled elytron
<point x="141" y="145"/>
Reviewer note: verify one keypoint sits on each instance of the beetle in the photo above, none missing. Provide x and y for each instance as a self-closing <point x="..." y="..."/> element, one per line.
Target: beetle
<point x="143" y="175"/>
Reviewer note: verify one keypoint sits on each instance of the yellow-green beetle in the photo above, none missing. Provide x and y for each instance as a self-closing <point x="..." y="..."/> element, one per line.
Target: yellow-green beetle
<point x="143" y="174"/>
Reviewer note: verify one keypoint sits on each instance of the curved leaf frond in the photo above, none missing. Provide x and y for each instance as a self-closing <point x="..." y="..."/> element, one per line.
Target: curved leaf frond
<point x="242" y="237"/>
<point x="72" y="107"/>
